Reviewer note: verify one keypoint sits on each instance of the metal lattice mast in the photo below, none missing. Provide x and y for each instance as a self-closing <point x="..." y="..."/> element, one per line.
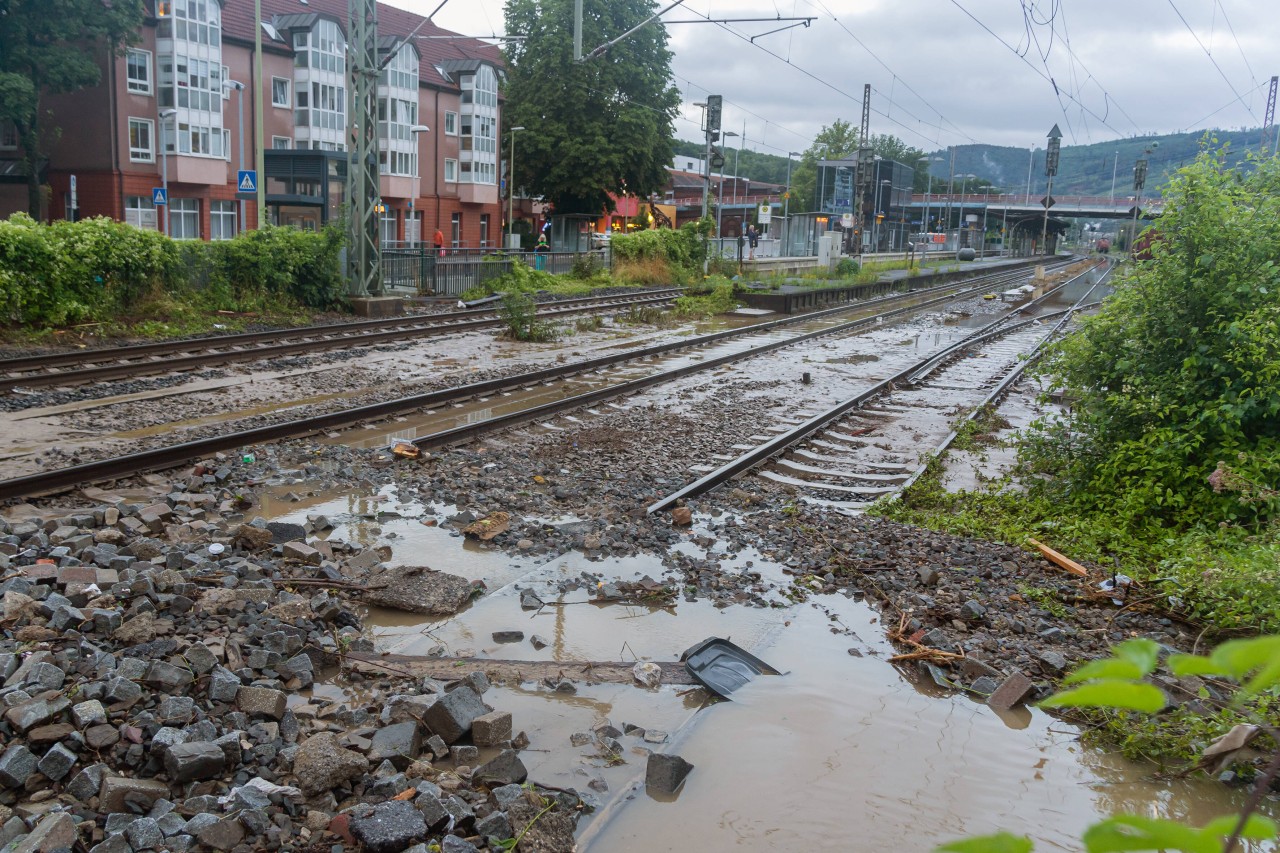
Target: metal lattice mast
<point x="861" y="172"/>
<point x="364" y="251"/>
<point x="1269" y="122"/>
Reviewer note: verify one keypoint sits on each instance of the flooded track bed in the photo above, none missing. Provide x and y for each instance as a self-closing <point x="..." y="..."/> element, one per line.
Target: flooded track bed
<point x="845" y="751"/>
<point x="337" y="409"/>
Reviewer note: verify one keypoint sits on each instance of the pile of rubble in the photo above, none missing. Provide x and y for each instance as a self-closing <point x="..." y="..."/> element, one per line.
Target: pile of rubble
<point x="151" y="663"/>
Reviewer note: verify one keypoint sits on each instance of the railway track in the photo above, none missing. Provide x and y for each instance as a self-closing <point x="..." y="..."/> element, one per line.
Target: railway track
<point x="870" y="445"/>
<point x="746" y="343"/>
<point x="99" y="365"/>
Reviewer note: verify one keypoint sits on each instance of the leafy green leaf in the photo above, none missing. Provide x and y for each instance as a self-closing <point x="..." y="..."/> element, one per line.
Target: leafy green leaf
<point x="1141" y="652"/>
<point x="1239" y="658"/>
<point x="1184" y="665"/>
<point x="1125" y="833"/>
<point x="1001" y="842"/>
<point x="1105" y="668"/>
<point x="1109" y="693"/>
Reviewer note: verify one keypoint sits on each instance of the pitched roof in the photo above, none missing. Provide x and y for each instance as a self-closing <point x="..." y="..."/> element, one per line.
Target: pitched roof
<point x="237" y="22"/>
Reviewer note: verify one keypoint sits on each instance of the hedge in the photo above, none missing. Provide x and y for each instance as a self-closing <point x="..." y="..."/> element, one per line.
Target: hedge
<point x="96" y="269"/>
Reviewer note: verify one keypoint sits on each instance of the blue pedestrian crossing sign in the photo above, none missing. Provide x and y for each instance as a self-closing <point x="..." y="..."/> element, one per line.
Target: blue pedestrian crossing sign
<point x="159" y="196"/>
<point x="247" y="181"/>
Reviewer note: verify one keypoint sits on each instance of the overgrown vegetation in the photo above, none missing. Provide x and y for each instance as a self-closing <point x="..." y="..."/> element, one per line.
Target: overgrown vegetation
<point x="99" y="270"/>
<point x="713" y="295"/>
<point x="1170" y="454"/>
<point x="661" y="256"/>
<point x="519" y="313"/>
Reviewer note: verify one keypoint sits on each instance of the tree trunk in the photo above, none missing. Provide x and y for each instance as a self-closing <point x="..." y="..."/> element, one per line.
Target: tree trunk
<point x="29" y="136"/>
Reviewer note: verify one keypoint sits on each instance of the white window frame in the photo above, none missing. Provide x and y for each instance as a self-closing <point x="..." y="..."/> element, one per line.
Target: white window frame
<point x="288" y="92"/>
<point x="450" y="123"/>
<point x="146" y="87"/>
<point x="287" y="140"/>
<point x="222" y="212"/>
<point x="450" y="170"/>
<point x="139" y="155"/>
<point x="177" y="210"/>
<point x="135" y="206"/>
<point x="226" y="90"/>
<point x="226" y="144"/>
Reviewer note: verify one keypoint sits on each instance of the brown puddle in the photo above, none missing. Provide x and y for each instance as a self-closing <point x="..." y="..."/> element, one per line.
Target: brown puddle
<point x="843" y="752"/>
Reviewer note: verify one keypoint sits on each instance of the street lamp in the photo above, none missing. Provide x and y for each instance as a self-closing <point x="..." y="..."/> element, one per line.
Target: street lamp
<point x="165" y="115"/>
<point x="239" y="87"/>
<point x="786" y="200"/>
<point x="964" y="182"/>
<point x="511" y="190"/>
<point x="415" y="129"/>
<point x="720" y="189"/>
<point x="875" y="231"/>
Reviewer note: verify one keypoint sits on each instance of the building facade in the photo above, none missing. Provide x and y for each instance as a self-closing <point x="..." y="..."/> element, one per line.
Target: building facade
<point x="177" y="109"/>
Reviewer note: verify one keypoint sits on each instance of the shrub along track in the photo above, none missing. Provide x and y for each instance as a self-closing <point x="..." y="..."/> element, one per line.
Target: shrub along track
<point x="119" y="467"/>
<point x="99" y="365"/>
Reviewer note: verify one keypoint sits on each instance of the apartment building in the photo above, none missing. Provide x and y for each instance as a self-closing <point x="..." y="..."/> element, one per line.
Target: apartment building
<point x="180" y="100"/>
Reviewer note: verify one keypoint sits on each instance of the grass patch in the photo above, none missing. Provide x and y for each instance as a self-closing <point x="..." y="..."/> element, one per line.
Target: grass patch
<point x="714" y="296"/>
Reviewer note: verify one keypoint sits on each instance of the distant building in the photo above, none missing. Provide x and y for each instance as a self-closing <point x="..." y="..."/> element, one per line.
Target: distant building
<point x="184" y="60"/>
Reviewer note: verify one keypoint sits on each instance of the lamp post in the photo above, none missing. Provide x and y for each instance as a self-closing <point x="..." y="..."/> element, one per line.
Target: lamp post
<point x="720" y="190"/>
<point x="165" y="115"/>
<point x="786" y="200"/>
<point x="964" y="182"/>
<point x="1114" y="164"/>
<point x="875" y="229"/>
<point x="415" y="130"/>
<point x="239" y="87"/>
<point x="511" y="190"/>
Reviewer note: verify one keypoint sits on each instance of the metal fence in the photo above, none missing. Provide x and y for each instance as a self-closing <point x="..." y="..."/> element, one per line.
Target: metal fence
<point x="450" y="272"/>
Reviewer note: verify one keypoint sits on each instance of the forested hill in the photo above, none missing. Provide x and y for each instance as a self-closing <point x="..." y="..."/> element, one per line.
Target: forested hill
<point x="1082" y="169"/>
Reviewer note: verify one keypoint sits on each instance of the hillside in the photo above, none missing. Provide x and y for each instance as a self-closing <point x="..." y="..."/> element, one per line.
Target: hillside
<point x="1082" y="169"/>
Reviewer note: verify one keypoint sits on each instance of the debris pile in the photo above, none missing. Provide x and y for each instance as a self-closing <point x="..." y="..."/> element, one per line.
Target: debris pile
<point x="151" y="658"/>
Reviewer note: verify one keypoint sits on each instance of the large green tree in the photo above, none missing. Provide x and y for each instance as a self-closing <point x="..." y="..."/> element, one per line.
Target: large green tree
<point x="602" y="125"/>
<point x="52" y="47"/>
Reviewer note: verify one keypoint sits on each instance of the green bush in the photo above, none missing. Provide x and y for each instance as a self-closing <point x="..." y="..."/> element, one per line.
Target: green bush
<point x="99" y="269"/>
<point x="682" y="249"/>
<point x="65" y="273"/>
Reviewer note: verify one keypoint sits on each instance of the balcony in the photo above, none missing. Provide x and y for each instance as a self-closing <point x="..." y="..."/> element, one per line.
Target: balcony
<point x="478" y="193"/>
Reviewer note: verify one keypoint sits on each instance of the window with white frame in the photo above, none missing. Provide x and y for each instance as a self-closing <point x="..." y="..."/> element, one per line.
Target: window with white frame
<point x="226" y="76"/>
<point x="189" y="76"/>
<point x="451" y="124"/>
<point x="222" y="220"/>
<point x="450" y="171"/>
<point x="319" y="87"/>
<point x="200" y="139"/>
<point x="388" y="226"/>
<point x="478" y="127"/>
<point x="398" y="114"/>
<point x="138" y="71"/>
<point x="280" y="92"/>
<point x="184" y="218"/>
<point x="281" y="143"/>
<point x="142" y="140"/>
<point x="139" y="212"/>
<point x="226" y="144"/>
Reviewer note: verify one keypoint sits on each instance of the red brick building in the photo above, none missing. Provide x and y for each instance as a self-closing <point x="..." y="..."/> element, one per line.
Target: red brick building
<point x="439" y="115"/>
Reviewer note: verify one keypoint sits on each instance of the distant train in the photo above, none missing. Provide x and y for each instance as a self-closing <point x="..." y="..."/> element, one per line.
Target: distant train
<point x="1104" y="246"/>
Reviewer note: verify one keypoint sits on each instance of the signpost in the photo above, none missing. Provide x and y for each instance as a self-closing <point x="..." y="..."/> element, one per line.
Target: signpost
<point x="1050" y="169"/>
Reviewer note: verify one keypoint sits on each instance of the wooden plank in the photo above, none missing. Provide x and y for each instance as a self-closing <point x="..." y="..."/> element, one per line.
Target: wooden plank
<point x="1061" y="561"/>
<point x="446" y="669"/>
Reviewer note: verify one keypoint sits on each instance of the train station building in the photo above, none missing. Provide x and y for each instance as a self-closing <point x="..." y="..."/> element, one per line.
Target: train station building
<point x="172" y="103"/>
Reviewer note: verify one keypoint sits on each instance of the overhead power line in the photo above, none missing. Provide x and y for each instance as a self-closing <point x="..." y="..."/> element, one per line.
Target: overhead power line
<point x="1221" y="73"/>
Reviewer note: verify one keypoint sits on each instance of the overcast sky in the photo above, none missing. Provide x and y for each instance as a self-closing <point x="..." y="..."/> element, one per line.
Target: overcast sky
<point x="1122" y="67"/>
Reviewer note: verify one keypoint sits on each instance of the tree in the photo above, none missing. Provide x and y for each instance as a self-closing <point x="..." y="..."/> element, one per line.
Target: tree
<point x="603" y="125"/>
<point x="52" y="47"/>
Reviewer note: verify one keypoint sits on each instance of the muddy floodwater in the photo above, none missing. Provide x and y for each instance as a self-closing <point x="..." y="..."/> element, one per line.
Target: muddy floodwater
<point x="845" y="751"/>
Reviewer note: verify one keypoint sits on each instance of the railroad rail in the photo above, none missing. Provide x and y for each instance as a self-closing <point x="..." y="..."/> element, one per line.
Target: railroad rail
<point x="97" y="365"/>
<point x="174" y="455"/>
<point x="833" y="446"/>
